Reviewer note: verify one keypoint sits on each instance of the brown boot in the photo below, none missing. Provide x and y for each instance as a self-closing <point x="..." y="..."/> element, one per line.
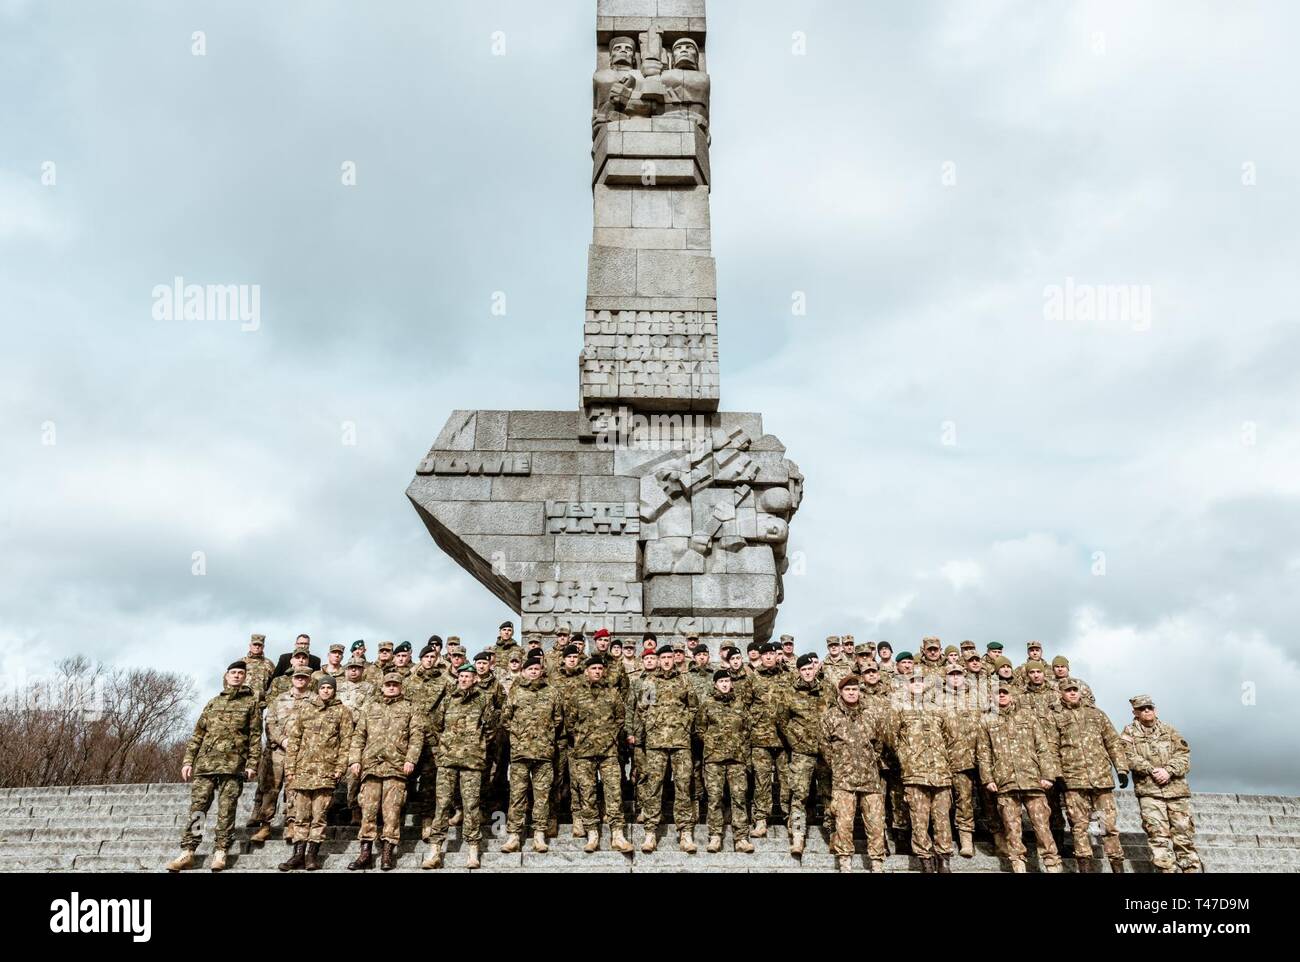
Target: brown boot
<point x="183" y="861"/>
<point x="715" y="844"/>
<point x="651" y="840"/>
<point x="297" y="859"/>
<point x="878" y="866"/>
<point x="512" y="843"/>
<point x="435" y="855"/>
<point x="539" y="842"/>
<point x="686" y="841"/>
<point x="578" y="830"/>
<point x="457" y="817"/>
<point x="593" y="841"/>
<point x="471" y="857"/>
<point x="387" y="856"/>
<point x="1018" y="866"/>
<point x="966" y="842"/>
<point x="760" y="829"/>
<point x="941" y="864"/>
<point x="218" y="863"/>
<point x="261" y="835"/>
<point x="365" y="858"/>
<point x="796" y="843"/>
<point x="618" y="841"/>
<point x="313" y="863"/>
<point x="1117" y="866"/>
<point x="744" y="845"/>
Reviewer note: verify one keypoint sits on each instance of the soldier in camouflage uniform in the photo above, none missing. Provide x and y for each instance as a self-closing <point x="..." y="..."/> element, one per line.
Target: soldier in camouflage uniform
<point x="932" y="662"/>
<point x="532" y="719"/>
<point x="785" y="655"/>
<point x="723" y="726"/>
<point x="1034" y="650"/>
<point x="895" y="676"/>
<point x="964" y="712"/>
<point x="386" y="743"/>
<point x="836" y="665"/>
<point x="885" y="658"/>
<point x="260" y="668"/>
<point x="567" y="675"/>
<point x="224" y="751"/>
<point x="1036" y="692"/>
<point x="1061" y="671"/>
<point x="494" y="792"/>
<point x="333" y="666"/>
<point x="850" y="735"/>
<point x="639" y="687"/>
<point x="1016" y="764"/>
<point x="402" y="661"/>
<point x="320" y="736"/>
<point x="924" y="740"/>
<point x="353" y="692"/>
<point x="664" y="713"/>
<point x="992" y="652"/>
<point x="700" y="674"/>
<point x="505" y="643"/>
<point x="1159" y="758"/>
<point x="463" y="726"/>
<point x="594" y="717"/>
<point x="798" y="722"/>
<point x="383" y="664"/>
<point x="428" y="685"/>
<point x="768" y="686"/>
<point x="742" y="685"/>
<point x="555" y="657"/>
<point x="1086" y="746"/>
<point x="279" y="713"/>
<point x="282" y="683"/>
<point x="976" y="669"/>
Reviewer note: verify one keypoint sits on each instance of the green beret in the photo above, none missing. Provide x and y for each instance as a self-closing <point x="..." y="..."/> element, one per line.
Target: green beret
<point x="994" y="646"/>
<point x="904" y="656"/>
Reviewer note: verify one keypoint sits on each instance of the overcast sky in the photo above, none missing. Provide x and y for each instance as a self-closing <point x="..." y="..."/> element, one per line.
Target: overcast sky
<point x="926" y="174"/>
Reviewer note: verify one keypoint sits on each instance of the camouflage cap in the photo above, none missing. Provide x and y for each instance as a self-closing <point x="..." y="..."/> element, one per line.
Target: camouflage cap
<point x="453" y="639"/>
<point x="1060" y="661"/>
<point x="1070" y="683"/>
<point x="968" y="644"/>
<point x="257" y="640"/>
<point x="956" y="670"/>
<point x="1031" y="645"/>
<point x="930" y="642"/>
<point x="1142" y="701"/>
<point x="848" y="639"/>
<point x="563" y="628"/>
<point x="356" y="661"/>
<point x="833" y="640"/>
<point x="337" y="647"/>
<point x="865" y="648"/>
<point x="1007" y="688"/>
<point x="385" y="646"/>
<point x="393" y="678"/>
<point x="302" y="670"/>
<point x="785" y="638"/>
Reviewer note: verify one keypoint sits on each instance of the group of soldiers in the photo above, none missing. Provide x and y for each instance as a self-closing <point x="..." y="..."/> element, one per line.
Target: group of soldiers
<point x="912" y="745"/>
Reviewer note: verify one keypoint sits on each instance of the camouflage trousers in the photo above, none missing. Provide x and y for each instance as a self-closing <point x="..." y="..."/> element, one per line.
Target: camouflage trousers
<point x="898" y="817"/>
<point x="1040" y="816"/>
<point x="468" y="781"/>
<point x="1079" y="805"/>
<point x="927" y="806"/>
<point x="310" y="806"/>
<point x="731" y="777"/>
<point x="964" y="787"/>
<point x="529" y="774"/>
<point x="562" y="783"/>
<point x="657" y="761"/>
<point x="1170" y="830"/>
<point x="226" y="788"/>
<point x="769" y="762"/>
<point x="845" y="805"/>
<point x="638" y="775"/>
<point x="802" y="769"/>
<point x="382" y="798"/>
<point x="584" y="772"/>
<point x="270" y="781"/>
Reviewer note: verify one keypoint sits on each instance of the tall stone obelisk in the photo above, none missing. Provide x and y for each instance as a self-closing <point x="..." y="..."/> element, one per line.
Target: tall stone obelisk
<point x="645" y="508"/>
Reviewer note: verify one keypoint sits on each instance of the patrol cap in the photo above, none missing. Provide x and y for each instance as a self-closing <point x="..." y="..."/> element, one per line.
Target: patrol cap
<point x="563" y="628"/>
<point x="994" y="646"/>
<point x="356" y="661"/>
<point x="455" y="649"/>
<point x="240" y="665"/>
<point x="505" y="624"/>
<point x="483" y="656"/>
<point x="1142" y="701"/>
<point x="807" y="658"/>
<point x="467" y="667"/>
<point x="973" y="656"/>
<point x="848" y="640"/>
<point x="358" y="644"/>
<point x="870" y="666"/>
<point x="692" y="636"/>
<point x="1031" y="645"/>
<point x="720" y="674"/>
<point x="299" y="654"/>
<point x="905" y="656"/>
<point x="336" y="647"/>
<point x="257" y="639"/>
<point x="516" y="656"/>
<point x="1060" y="661"/>
<point x="833" y="640"/>
<point x="1034" y="664"/>
<point x="385" y="646"/>
<point x="865" y="648"/>
<point x="787" y="638"/>
<point x="393" y="678"/>
<point x="571" y="650"/>
<point x="968" y="644"/>
<point x="404" y="646"/>
<point x="930" y="642"/>
<point x="453" y="640"/>
<point x="1070" y="683"/>
<point x="1006" y="687"/>
<point x="326" y="680"/>
<point x="533" y="639"/>
<point x="849" y="680"/>
<point x="956" y="670"/>
<point x="302" y="670"/>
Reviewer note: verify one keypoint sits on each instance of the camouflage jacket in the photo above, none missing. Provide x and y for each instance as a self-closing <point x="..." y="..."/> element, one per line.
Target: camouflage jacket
<point x="1086" y="696"/>
<point x="502" y="651"/>
<point x="723" y="726"/>
<point x="374" y="673"/>
<point x="799" y="716"/>
<point x="462" y="727"/>
<point x="354" y="694"/>
<point x="491" y="686"/>
<point x="701" y="680"/>
<point x="533" y="717"/>
<point x="1085" y="745"/>
<point x="279" y="685"/>
<point x="1043" y="698"/>
<point x="876" y="696"/>
<point x="1013" y="752"/>
<point x="965" y="722"/>
<point x="832" y="671"/>
<point x="426" y="688"/>
<point x="593" y="718"/>
<point x="664" y="712"/>
<point x="742" y="686"/>
<point x="227" y="738"/>
<point x="924" y="741"/>
<point x="768" y="688"/>
<point x="1160" y="746"/>
<point x="850" y="738"/>
<point x="258" y="675"/>
<point x="338" y="674"/>
<point x="320" y="736"/>
<point x="388" y="734"/>
<point x="279" y="713"/>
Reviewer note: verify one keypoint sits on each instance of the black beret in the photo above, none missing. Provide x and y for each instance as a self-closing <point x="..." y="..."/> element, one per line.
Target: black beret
<point x="483" y="656"/>
<point x="404" y="646"/>
<point x="427" y="650"/>
<point x="505" y="624"/>
<point x="649" y="636"/>
<point x="596" y="660"/>
<point x="532" y="660"/>
<point x="435" y="640"/>
<point x="754" y="646"/>
<point x="241" y="664"/>
<point x="571" y="650"/>
<point x="699" y="648"/>
<point x="665" y="649"/>
<point x="719" y="675"/>
<point x="807" y="658"/>
<point x="772" y="647"/>
<point x="578" y="636"/>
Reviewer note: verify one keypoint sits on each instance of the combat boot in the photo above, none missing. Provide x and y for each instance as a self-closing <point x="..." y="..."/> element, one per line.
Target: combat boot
<point x="686" y="841"/>
<point x="313" y="862"/>
<point x="941" y="864"/>
<point x="552" y="826"/>
<point x="364" y="858"/>
<point x="539" y="842"/>
<point x="844" y="863"/>
<point x="435" y="855"/>
<point x="578" y="830"/>
<point x="744" y="845"/>
<point x="261" y="835"/>
<point x="593" y="841"/>
<point x="471" y="859"/>
<point x="651" y="840"/>
<point x="183" y="861"/>
<point x="967" y="844"/>
<point x="619" y="842"/>
<point x="387" y="856"/>
<point x="512" y="843"/>
<point x="1085" y="865"/>
<point x="796" y="843"/>
<point x="218" y="863"/>
<point x="1117" y="866"/>
<point x="1055" y="868"/>
<point x="253" y="822"/>
<point x="1018" y="866"/>
<point x="760" y="829"/>
<point x="297" y="859"/>
<point x="715" y="844"/>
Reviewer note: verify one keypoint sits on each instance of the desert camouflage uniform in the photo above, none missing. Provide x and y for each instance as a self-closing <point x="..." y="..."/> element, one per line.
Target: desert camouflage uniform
<point x="593" y="718"/>
<point x="850" y="735"/>
<point x="924" y="739"/>
<point x="663" y="717"/>
<point x="464" y="725"/>
<point x="1166" y="809"/>
<point x="258" y="675"/>
<point x="388" y="734"/>
<point x="532" y="719"/>
<point x="1086" y="696"/>
<point x="320" y="736"/>
<point x="227" y="741"/>
<point x="375" y="671"/>
<point x="1086" y="746"/>
<point x="833" y="669"/>
<point x="1014" y="755"/>
<point x="964" y="716"/>
<point x="279" y="685"/>
<point x="279" y="713"/>
<point x="723" y="727"/>
<point x="799" y="717"/>
<point x="768" y="754"/>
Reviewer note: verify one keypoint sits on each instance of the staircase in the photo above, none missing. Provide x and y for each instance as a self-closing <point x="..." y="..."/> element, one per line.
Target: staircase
<point x="136" y="828"/>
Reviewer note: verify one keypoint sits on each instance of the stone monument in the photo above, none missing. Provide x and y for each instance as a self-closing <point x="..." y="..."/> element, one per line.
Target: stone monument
<point x="645" y="508"/>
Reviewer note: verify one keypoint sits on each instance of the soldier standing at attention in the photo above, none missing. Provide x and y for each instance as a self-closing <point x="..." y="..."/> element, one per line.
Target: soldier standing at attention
<point x="260" y="668"/>
<point x="402" y="660"/>
<point x="850" y="734"/>
<point x="662" y="723"/>
<point x="353" y="693"/>
<point x="426" y="687"/>
<point x="279" y="713"/>
<point x="320" y="736"/>
<point x="593" y="716"/>
<point x="333" y="665"/>
<point x="282" y="683"/>
<point x="386" y="744"/>
<point x="463" y="727"/>
<point x="1061" y="671"/>
<point x="723" y="727"/>
<point x="532" y="719"/>
<point x="885" y="656"/>
<point x="768" y="686"/>
<point x="798" y="721"/>
<point x="222" y="754"/>
<point x="924" y="738"/>
<point x="1035" y="652"/>
<point x="1159" y="758"/>
<point x="836" y="665"/>
<point x="992" y="652"/>
<point x="962" y="706"/>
